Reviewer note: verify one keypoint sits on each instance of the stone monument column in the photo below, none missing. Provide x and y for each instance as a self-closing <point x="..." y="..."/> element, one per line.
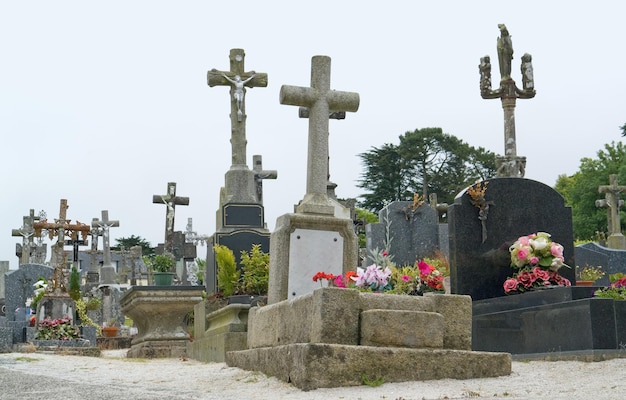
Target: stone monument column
<point x="616" y="239"/>
<point x="108" y="270"/>
<point x="510" y="165"/>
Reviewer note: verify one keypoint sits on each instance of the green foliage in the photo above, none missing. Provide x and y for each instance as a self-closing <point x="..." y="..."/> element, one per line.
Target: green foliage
<point x="227" y="273"/>
<point x="255" y="267"/>
<point x="581" y="189"/>
<point x="127" y="243"/>
<point x="623" y="128"/>
<point x="363" y="217"/>
<point x="161" y="262"/>
<point x="74" y="290"/>
<point x="426" y="161"/>
<point x="81" y="309"/>
<point x="373" y="382"/>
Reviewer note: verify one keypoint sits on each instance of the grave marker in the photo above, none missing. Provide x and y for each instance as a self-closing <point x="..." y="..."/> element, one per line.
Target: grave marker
<point x="616" y="239"/>
<point x="171" y="201"/>
<point x="108" y="270"/>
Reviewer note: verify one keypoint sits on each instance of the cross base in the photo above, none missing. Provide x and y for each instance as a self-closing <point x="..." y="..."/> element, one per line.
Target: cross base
<point x="510" y="166"/>
<point x="315" y="203"/>
<point x="616" y="241"/>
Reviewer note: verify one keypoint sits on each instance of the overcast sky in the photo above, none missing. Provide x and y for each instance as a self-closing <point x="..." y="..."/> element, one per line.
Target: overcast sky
<point x="104" y="103"/>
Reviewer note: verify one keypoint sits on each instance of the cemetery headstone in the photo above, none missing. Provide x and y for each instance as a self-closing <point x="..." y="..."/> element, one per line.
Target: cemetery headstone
<point x="482" y="232"/>
<point x="296" y="244"/>
<point x="616" y="239"/>
<point x="240" y="218"/>
<point x="408" y="230"/>
<point x="509" y="165"/>
<point x="612" y="261"/>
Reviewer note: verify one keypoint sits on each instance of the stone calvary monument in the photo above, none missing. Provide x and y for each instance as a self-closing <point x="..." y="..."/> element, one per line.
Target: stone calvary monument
<point x="509" y="165"/>
<point x="240" y="219"/>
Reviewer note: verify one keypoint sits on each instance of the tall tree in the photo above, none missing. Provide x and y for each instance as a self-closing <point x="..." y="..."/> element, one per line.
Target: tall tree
<point x="581" y="189"/>
<point x="127" y="243"/>
<point x="426" y="161"/>
<point x="623" y="128"/>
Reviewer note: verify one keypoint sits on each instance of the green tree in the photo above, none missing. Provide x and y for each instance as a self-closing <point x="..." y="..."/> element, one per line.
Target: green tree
<point x="426" y="161"/>
<point x="581" y="189"/>
<point x="623" y="128"/>
<point x="127" y="243"/>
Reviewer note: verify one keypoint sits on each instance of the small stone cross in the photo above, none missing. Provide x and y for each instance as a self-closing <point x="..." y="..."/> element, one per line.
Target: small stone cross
<point x="612" y="192"/>
<point x="27" y="231"/>
<point x="171" y="201"/>
<point x="260" y="174"/>
<point x="321" y="101"/>
<point x="238" y="80"/>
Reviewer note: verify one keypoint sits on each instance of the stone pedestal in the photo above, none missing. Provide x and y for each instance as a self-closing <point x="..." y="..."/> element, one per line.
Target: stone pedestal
<point x="219" y="332"/>
<point x="158" y="313"/>
<point x="332" y="337"/>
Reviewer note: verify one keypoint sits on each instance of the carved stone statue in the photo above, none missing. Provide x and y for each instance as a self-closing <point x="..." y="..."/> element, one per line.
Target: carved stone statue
<point x="505" y="52"/>
<point x="528" y="81"/>
<point x="485" y="74"/>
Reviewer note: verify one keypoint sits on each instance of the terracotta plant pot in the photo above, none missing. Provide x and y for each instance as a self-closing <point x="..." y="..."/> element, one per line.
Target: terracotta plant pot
<point x="109" y="331"/>
<point x="584" y="283"/>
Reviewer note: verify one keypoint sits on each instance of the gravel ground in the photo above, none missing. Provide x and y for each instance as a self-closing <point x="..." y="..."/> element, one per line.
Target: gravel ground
<point x="112" y="376"/>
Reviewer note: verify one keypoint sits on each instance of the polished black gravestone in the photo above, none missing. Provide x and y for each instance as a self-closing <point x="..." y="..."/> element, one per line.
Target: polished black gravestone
<point x="414" y="232"/>
<point x="479" y="258"/>
<point x="560" y="319"/>
<point x="612" y="261"/>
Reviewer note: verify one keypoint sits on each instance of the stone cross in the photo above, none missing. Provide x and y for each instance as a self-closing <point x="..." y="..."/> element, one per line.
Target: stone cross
<point x="321" y="101"/>
<point x="171" y="201"/>
<point x="60" y="228"/>
<point x="238" y="80"/>
<point x="509" y="165"/>
<point x="75" y="243"/>
<point x="27" y="232"/>
<point x="616" y="239"/>
<point x="192" y="237"/>
<point x="104" y="225"/>
<point x="136" y="262"/>
<point x="260" y="174"/>
<point x="95" y="232"/>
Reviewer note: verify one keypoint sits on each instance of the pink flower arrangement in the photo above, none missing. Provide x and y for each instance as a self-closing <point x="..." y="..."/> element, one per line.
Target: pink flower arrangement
<point x="538" y="259"/>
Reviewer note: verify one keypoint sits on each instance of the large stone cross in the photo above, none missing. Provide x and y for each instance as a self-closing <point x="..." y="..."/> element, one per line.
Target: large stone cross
<point x="104" y="226"/>
<point x="238" y="80"/>
<point x="171" y="201"/>
<point x="27" y="231"/>
<point x="509" y="165"/>
<point x="321" y="101"/>
<point x="616" y="239"/>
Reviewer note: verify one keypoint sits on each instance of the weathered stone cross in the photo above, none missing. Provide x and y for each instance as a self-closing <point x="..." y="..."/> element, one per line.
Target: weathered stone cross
<point x="321" y="101"/>
<point x="238" y="80"/>
<point x="261" y="174"/>
<point x="616" y="239"/>
<point x="171" y="201"/>
<point x="27" y="232"/>
<point x="104" y="226"/>
<point x="509" y="165"/>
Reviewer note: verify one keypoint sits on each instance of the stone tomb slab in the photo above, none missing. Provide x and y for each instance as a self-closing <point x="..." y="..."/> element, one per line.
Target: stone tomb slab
<point x="563" y="319"/>
<point x="479" y="264"/>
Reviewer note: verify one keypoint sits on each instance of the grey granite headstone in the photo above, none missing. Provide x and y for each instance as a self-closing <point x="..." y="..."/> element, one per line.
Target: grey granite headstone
<point x="413" y="233"/>
<point x="479" y="258"/>
<point x="19" y="285"/>
<point x="612" y="261"/>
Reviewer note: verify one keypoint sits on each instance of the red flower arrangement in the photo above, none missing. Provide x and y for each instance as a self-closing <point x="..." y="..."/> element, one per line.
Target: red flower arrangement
<point x="527" y="279"/>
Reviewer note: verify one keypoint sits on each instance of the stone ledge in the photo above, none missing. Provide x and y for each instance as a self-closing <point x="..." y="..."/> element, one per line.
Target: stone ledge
<point x="311" y="366"/>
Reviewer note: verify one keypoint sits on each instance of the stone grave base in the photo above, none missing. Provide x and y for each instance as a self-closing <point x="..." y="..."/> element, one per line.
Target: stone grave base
<point x="120" y="342"/>
<point x="80" y="347"/>
<point x="557" y="320"/>
<point x="158" y="349"/>
<point x="342" y="337"/>
<point x="218" y="331"/>
<point x="310" y="366"/>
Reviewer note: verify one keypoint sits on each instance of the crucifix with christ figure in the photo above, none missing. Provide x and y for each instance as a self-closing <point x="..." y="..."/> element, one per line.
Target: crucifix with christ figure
<point x="171" y="201"/>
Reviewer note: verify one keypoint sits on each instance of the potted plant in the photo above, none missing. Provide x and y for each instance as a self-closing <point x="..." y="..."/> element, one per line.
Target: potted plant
<point x="248" y="284"/>
<point x="110" y="328"/>
<point x="162" y="265"/>
<point x="588" y="275"/>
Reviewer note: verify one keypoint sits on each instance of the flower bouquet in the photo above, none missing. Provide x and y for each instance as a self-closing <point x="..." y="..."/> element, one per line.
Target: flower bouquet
<point x="538" y="259"/>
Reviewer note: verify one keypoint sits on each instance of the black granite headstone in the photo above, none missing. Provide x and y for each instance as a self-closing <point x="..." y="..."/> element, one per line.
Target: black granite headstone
<point x="414" y="233"/>
<point x="480" y="260"/>
<point x="612" y="261"/>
